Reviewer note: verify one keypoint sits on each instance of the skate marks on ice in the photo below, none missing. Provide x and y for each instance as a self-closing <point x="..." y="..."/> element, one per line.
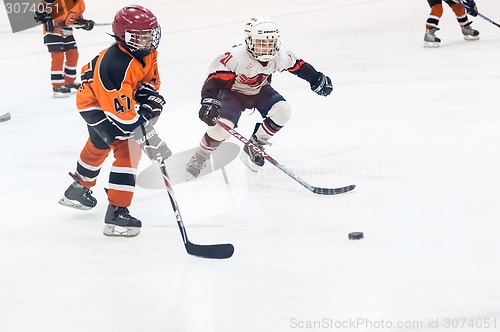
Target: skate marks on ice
<point x="151" y="178"/>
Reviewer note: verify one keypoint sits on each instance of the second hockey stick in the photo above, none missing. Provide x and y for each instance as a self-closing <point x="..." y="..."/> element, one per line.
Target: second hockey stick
<point x="78" y="26"/>
<point x="316" y="190"/>
<point x="219" y="251"/>
<point x="480" y="15"/>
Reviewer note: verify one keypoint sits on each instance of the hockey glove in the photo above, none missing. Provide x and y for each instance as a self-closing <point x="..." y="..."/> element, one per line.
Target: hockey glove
<point x="152" y="145"/>
<point x="471" y="7"/>
<point x="42" y="17"/>
<point x="46" y="19"/>
<point x="150" y="102"/>
<point x="85" y="24"/>
<point x="209" y="111"/>
<point x="323" y="86"/>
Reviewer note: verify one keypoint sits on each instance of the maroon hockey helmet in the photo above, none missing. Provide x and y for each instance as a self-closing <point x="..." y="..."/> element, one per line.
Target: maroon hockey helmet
<point x="137" y="29"/>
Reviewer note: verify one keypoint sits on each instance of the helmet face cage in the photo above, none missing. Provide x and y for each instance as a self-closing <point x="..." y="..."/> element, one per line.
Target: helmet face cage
<point x="262" y="39"/>
<point x="143" y="40"/>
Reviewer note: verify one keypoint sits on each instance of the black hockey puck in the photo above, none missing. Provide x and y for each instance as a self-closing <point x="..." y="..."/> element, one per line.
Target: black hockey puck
<point x="355" y="235"/>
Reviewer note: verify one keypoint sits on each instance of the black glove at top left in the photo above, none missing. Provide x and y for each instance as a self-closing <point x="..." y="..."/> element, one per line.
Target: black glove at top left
<point x="46" y="20"/>
<point x="85" y="24"/>
<point x="42" y="17"/>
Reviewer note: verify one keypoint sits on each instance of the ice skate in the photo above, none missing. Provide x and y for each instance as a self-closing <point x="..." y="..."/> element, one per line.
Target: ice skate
<point x="430" y="39"/>
<point x="61" y="92"/>
<point x="77" y="196"/>
<point x="119" y="222"/>
<point x="250" y="156"/>
<point x="73" y="87"/>
<point x="196" y="164"/>
<point x="470" y="33"/>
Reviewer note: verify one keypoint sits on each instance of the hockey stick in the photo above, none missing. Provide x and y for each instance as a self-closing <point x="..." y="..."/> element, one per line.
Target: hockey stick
<point x="316" y="190"/>
<point x="219" y="251"/>
<point x="5" y="117"/>
<point x="77" y="26"/>
<point x="480" y="15"/>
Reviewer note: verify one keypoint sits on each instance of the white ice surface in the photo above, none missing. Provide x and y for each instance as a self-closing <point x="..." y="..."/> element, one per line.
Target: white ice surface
<point x="417" y="130"/>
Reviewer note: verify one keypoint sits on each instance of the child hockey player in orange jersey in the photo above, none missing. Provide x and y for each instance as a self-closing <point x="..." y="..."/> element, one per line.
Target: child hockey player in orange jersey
<point x="241" y="79"/>
<point x="60" y="41"/>
<point x="431" y="26"/>
<point x="120" y="102"/>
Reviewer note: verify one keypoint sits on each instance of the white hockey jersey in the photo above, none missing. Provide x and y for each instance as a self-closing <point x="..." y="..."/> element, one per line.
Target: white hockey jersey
<point x="243" y="74"/>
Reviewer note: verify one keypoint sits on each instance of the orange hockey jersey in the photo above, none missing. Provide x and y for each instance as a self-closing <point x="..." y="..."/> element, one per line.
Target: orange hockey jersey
<point x="64" y="13"/>
<point x="109" y="82"/>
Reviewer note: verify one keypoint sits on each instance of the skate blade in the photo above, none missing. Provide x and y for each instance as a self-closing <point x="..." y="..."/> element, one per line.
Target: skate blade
<point x="245" y="158"/>
<point x="188" y="176"/>
<point x="73" y="204"/>
<point x="114" y="230"/>
<point x="431" y="44"/>
<point x="60" y="95"/>
<point x="471" y="38"/>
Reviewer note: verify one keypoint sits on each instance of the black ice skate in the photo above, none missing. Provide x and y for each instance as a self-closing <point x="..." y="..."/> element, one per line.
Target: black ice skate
<point x="469" y="33"/>
<point x="430" y="39"/>
<point x="73" y="87"/>
<point x="196" y="164"/>
<point x="119" y="222"/>
<point x="61" y="92"/>
<point x="77" y="196"/>
<point x="250" y="156"/>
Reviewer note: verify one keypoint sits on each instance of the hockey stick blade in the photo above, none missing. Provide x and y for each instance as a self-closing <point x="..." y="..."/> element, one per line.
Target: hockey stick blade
<point x="316" y="190"/>
<point x="333" y="191"/>
<point x="5" y="117"/>
<point x="215" y="251"/>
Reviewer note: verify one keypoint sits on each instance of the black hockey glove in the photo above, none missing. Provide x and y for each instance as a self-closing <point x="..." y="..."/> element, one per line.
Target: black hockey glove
<point x="471" y="7"/>
<point x="150" y="102"/>
<point x="46" y="20"/>
<point x="209" y="111"/>
<point x="85" y="24"/>
<point x="42" y="17"/>
<point x="152" y="145"/>
<point x="323" y="86"/>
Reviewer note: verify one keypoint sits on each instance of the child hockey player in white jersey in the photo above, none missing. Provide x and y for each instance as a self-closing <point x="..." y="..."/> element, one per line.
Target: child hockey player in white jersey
<point x="240" y="79"/>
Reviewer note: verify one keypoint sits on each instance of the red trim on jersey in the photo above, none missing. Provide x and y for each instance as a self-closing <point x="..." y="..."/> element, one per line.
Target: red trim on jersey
<point x="297" y="66"/>
<point x="223" y="76"/>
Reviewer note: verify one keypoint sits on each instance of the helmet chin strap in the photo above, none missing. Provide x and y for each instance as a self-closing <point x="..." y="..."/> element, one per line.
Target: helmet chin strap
<point x="142" y="53"/>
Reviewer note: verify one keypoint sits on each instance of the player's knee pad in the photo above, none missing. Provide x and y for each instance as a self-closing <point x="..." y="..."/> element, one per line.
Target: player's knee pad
<point x="218" y="133"/>
<point x="280" y="112"/>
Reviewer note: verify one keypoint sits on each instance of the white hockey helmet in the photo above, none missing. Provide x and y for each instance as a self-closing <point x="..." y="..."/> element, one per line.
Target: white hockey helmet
<point x="262" y="38"/>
